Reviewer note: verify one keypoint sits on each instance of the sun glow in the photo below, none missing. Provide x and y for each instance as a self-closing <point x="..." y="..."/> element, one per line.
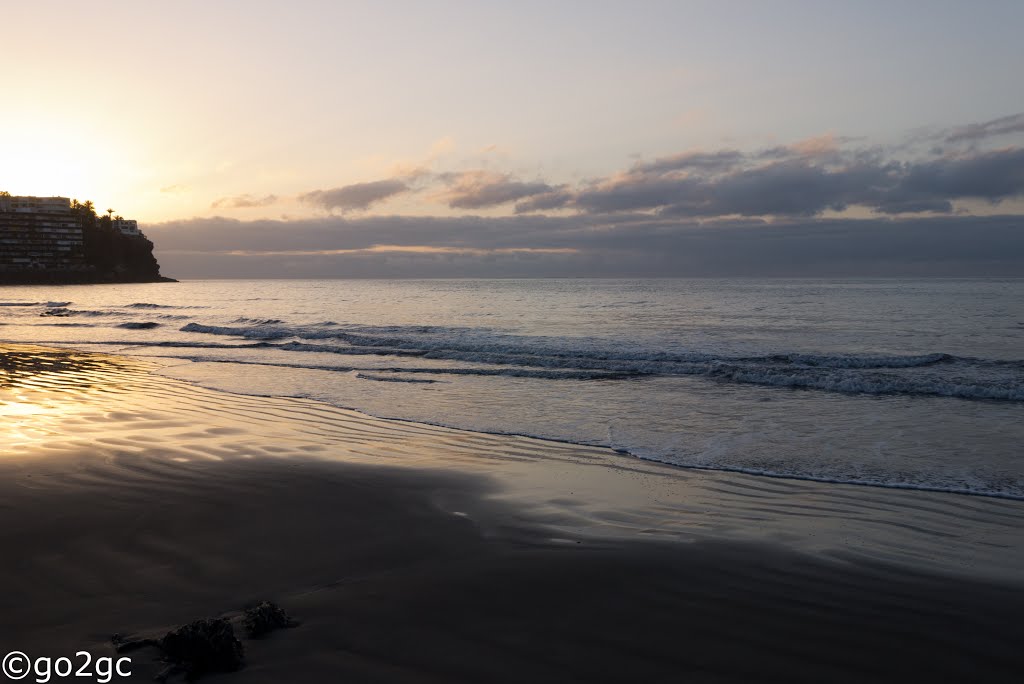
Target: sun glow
<point x="45" y="158"/>
<point x="23" y="423"/>
<point x="15" y="409"/>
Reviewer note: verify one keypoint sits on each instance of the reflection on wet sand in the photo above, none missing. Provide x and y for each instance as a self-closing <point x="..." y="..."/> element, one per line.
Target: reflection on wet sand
<point x="74" y="404"/>
<point x="136" y="502"/>
<point x="29" y="367"/>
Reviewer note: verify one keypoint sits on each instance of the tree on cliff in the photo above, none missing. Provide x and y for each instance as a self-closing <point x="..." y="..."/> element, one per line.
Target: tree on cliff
<point x="114" y="256"/>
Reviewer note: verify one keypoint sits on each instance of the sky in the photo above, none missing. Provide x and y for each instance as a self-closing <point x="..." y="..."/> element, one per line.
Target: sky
<point x="407" y="139"/>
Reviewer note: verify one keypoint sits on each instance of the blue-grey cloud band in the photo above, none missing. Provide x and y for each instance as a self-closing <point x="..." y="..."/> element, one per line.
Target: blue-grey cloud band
<point x="706" y="213"/>
<point x="629" y="246"/>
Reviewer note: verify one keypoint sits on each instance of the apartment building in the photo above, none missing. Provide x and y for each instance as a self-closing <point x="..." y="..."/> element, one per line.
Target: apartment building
<point x="126" y="226"/>
<point x="39" y="233"/>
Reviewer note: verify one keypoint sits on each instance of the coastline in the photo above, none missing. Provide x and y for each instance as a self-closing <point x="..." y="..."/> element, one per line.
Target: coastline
<point x="57" y="279"/>
<point x="415" y="553"/>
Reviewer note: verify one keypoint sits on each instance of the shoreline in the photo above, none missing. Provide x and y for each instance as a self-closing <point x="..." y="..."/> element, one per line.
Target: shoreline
<point x="621" y="451"/>
<point x="416" y="553"/>
<point x="61" y="281"/>
<point x="178" y="363"/>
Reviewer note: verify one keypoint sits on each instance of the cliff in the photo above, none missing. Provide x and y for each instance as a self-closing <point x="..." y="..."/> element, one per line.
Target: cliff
<point x="113" y="257"/>
<point x="53" y="240"/>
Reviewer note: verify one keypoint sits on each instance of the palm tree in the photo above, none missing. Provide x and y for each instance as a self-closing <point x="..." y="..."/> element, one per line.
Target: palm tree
<point x="110" y="213"/>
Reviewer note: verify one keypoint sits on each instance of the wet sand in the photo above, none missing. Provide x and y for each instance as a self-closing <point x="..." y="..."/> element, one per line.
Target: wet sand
<point x="133" y="503"/>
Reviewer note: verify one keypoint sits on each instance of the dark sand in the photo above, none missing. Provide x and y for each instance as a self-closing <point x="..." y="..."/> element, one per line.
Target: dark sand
<point x="130" y="503"/>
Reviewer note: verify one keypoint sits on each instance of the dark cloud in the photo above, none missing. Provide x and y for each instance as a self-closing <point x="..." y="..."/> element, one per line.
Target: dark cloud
<point x="355" y="197"/>
<point x="243" y="202"/>
<point x="992" y="176"/>
<point x="547" y="201"/>
<point x="634" y="192"/>
<point x="622" y="245"/>
<point x="977" y="131"/>
<point x="803" y="179"/>
<point x="708" y="213"/>
<point x="707" y="162"/>
<point x="483" y="189"/>
<point x="806" y="187"/>
<point x="789" y="188"/>
<point x="782" y="189"/>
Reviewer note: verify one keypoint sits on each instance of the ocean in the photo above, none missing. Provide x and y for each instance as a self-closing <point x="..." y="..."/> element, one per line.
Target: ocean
<point x="905" y="383"/>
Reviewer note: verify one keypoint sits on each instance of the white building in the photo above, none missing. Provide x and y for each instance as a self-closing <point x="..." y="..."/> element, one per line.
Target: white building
<point x="127" y="226"/>
<point x="36" y="205"/>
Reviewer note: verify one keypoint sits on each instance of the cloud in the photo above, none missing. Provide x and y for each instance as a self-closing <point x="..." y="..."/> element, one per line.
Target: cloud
<point x="442" y="146"/>
<point x="632" y="192"/>
<point x="821" y="148"/>
<point x="992" y="176"/>
<point x="790" y="188"/>
<point x="243" y="202"/>
<point x="174" y="189"/>
<point x="708" y="162"/>
<point x="481" y="189"/>
<point x="978" y="131"/>
<point x="623" y="245"/>
<point x="922" y="205"/>
<point x="712" y="212"/>
<point x="545" y="201"/>
<point x="805" y="180"/>
<point x="355" y="197"/>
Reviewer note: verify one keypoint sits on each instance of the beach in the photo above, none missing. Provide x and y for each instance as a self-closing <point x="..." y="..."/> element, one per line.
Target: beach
<point x="512" y="343"/>
<point x="134" y="503"/>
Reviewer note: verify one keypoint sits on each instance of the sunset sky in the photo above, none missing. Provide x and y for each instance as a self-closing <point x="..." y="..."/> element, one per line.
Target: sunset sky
<point x="554" y="133"/>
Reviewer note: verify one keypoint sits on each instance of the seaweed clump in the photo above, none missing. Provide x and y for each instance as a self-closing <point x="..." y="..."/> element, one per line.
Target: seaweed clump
<point x="266" y="617"/>
<point x="202" y="646"/>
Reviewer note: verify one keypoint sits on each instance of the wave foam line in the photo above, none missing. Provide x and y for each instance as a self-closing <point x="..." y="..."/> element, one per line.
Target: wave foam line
<point x="626" y="452"/>
<point x="844" y="374"/>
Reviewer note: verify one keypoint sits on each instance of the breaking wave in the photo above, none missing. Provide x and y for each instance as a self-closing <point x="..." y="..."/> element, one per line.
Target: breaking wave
<point x="499" y="354"/>
<point x="921" y="388"/>
<point x="62" y="311"/>
<point x="258" y="321"/>
<point x="147" y="305"/>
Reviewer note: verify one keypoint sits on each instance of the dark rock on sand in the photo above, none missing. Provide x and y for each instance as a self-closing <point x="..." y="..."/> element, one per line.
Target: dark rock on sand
<point x="203" y="646"/>
<point x="137" y="325"/>
<point x="265" y="618"/>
